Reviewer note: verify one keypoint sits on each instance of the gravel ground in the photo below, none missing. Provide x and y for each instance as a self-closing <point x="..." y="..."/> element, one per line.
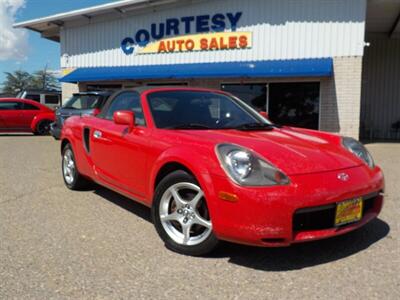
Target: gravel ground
<point x="55" y="243"/>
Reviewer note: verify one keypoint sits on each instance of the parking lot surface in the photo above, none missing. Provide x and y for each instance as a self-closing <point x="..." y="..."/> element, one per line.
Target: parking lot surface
<point x="56" y="243"/>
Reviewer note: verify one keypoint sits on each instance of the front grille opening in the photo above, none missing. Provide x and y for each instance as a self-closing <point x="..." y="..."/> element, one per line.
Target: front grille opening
<point x="315" y="219"/>
<point x="368" y="204"/>
<point x="323" y="217"/>
<point x="273" y="241"/>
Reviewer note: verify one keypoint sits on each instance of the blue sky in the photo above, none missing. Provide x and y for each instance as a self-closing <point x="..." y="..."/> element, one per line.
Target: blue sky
<point x="41" y="51"/>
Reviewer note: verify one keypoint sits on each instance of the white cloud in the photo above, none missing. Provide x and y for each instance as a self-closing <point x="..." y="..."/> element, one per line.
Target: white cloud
<point x="13" y="42"/>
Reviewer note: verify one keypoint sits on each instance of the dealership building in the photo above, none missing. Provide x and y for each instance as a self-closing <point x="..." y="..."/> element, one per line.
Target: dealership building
<point x="332" y="65"/>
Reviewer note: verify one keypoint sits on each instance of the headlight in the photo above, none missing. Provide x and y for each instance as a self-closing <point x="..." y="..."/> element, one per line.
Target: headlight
<point x="247" y="168"/>
<point x="358" y="150"/>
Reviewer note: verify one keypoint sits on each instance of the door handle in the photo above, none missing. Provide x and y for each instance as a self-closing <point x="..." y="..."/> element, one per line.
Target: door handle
<point x="97" y="134"/>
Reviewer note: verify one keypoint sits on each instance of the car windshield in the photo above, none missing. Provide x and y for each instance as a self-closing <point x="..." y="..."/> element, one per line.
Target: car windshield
<point x="83" y="102"/>
<point x="202" y="110"/>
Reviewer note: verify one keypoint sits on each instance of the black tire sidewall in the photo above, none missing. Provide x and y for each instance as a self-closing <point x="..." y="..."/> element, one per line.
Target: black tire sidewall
<point x="79" y="181"/>
<point x="197" y="250"/>
<point x="40" y="124"/>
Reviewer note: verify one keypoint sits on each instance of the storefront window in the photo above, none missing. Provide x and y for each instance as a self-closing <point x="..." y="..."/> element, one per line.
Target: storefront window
<point x="103" y="87"/>
<point x="167" y="84"/>
<point x="294" y="104"/>
<point x="253" y="94"/>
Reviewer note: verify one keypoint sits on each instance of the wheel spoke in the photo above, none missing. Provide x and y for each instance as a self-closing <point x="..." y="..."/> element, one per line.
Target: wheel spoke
<point x="201" y="221"/>
<point x="171" y="217"/>
<point x="196" y="199"/>
<point x="178" y="199"/>
<point x="186" y="232"/>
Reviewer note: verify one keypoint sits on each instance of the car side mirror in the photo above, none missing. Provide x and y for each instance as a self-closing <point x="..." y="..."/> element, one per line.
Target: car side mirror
<point x="264" y="114"/>
<point x="125" y="117"/>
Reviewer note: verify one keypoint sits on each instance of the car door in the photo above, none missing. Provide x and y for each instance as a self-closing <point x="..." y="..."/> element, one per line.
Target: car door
<point x="4" y="107"/>
<point x="28" y="112"/>
<point x="120" y="156"/>
<point x="10" y="113"/>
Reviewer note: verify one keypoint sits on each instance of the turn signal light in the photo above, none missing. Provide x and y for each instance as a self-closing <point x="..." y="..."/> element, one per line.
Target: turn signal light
<point x="228" y="196"/>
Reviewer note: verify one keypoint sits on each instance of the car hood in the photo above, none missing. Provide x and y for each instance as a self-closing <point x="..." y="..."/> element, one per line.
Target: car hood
<point x="293" y="151"/>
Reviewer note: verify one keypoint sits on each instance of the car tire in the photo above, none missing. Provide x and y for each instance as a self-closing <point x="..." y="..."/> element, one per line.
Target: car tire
<point x="184" y="224"/>
<point x="72" y="178"/>
<point x="43" y="127"/>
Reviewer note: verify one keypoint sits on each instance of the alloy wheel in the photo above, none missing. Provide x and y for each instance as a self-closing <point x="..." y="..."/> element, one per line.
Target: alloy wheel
<point x="184" y="214"/>
<point x="69" y="166"/>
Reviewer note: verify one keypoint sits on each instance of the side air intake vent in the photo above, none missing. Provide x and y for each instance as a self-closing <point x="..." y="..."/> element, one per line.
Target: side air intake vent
<point x="86" y="139"/>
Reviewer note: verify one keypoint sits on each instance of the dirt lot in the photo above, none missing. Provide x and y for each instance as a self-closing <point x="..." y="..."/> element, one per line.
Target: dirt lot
<point x="55" y="243"/>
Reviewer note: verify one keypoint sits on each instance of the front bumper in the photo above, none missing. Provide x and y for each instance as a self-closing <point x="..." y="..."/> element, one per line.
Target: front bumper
<point x="268" y="216"/>
<point x="55" y="130"/>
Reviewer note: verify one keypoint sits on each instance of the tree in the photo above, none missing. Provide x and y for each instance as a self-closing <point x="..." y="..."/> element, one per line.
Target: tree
<point x="17" y="81"/>
<point x="21" y="80"/>
<point x="44" y="79"/>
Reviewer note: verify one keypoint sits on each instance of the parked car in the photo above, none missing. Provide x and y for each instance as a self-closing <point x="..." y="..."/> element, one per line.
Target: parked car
<point x="50" y="98"/>
<point x="212" y="168"/>
<point x="84" y="103"/>
<point x="22" y="115"/>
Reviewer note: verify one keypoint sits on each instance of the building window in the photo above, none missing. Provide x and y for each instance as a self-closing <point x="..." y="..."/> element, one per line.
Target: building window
<point x="103" y="87"/>
<point x="294" y="104"/>
<point x="34" y="97"/>
<point x="289" y="103"/>
<point x="253" y="94"/>
<point x="51" y="99"/>
<point x="167" y="83"/>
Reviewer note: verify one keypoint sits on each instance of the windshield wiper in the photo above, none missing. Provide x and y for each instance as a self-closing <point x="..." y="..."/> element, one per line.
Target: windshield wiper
<point x="68" y="107"/>
<point x="254" y="126"/>
<point x="189" y="126"/>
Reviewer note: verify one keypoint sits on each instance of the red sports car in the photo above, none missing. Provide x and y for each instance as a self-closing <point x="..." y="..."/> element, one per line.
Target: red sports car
<point x="212" y="168"/>
<point x="20" y="115"/>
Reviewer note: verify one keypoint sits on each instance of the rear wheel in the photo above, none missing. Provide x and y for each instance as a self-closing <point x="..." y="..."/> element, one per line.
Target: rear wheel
<point x="72" y="178"/>
<point x="43" y="127"/>
<point x="181" y="216"/>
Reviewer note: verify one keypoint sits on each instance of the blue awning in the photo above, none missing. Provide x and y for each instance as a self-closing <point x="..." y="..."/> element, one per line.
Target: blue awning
<point x="322" y="67"/>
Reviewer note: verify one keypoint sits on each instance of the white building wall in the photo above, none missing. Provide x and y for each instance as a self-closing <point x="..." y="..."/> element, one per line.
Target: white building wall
<point x="380" y="109"/>
<point x="282" y="29"/>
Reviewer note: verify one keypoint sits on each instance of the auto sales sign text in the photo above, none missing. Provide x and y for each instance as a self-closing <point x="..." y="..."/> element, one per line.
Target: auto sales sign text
<point x="176" y="35"/>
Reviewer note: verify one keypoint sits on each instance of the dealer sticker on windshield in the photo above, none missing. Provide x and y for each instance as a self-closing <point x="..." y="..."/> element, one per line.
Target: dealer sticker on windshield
<point x="348" y="211"/>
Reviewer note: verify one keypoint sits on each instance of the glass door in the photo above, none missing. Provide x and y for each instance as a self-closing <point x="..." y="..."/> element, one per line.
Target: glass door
<point x="253" y="94"/>
<point x="294" y="104"/>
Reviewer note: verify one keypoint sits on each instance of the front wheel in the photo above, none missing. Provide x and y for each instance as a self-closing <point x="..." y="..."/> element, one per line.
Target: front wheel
<point x="72" y="178"/>
<point x="181" y="216"/>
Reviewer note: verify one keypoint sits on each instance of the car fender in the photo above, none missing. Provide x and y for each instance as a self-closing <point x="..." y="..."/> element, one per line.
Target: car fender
<point x="66" y="134"/>
<point x="40" y="117"/>
<point x="69" y="134"/>
<point x="192" y="159"/>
